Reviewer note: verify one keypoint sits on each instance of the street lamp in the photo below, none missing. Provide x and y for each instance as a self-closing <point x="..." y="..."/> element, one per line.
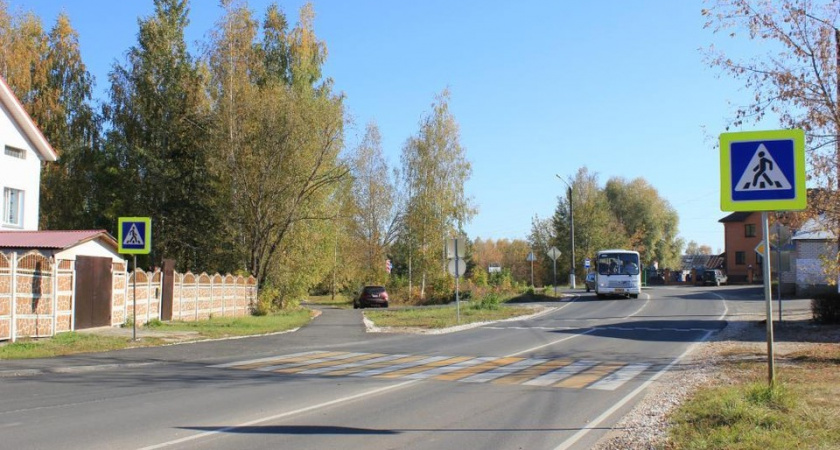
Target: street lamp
<point x="571" y="232"/>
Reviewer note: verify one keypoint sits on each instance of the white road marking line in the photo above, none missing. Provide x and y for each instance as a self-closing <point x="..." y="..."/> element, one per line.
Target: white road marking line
<point x="395" y="367"/>
<point x="502" y="371"/>
<point x="269" y="359"/>
<point x="322" y="370"/>
<point x="594" y="424"/>
<point x="560" y="374"/>
<point x="613" y="381"/>
<point x="450" y="368"/>
<point x="532" y="349"/>
<point x="307" y="362"/>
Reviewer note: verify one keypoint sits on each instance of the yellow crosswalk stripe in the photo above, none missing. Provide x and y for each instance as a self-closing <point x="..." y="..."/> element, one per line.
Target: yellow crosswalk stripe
<point x="489" y="365"/>
<point x="295" y="359"/>
<point x="424" y="367"/>
<point x="379" y="365"/>
<point x="330" y="363"/>
<point x="589" y="376"/>
<point x="533" y="372"/>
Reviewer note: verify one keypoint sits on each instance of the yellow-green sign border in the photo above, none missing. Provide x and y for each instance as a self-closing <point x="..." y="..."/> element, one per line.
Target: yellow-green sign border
<point x="798" y="202"/>
<point x="147" y="239"/>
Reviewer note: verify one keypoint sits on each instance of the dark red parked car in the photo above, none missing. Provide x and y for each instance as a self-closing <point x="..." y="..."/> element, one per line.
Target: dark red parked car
<point x="372" y="296"/>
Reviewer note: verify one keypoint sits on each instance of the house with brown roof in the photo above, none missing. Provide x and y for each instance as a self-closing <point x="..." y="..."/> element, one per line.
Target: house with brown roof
<point x="54" y="281"/>
<point x="24" y="149"/>
<point x="742" y="233"/>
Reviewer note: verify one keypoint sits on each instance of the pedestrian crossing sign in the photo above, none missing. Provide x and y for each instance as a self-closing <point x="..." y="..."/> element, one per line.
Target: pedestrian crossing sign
<point x="762" y="171"/>
<point x="135" y="235"/>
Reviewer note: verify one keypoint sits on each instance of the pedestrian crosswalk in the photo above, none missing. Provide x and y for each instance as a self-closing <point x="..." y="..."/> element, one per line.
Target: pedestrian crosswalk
<point x="539" y="372"/>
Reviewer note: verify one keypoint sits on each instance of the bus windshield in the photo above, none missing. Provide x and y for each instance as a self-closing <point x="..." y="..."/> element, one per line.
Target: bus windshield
<point x="618" y="264"/>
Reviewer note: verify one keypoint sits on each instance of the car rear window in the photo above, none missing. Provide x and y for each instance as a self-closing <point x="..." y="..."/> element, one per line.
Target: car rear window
<point x="374" y="290"/>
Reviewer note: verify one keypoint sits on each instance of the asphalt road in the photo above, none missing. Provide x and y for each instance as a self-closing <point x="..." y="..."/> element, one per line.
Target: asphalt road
<point x="559" y="380"/>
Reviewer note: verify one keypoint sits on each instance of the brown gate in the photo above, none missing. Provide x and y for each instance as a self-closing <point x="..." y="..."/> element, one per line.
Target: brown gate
<point x="93" y="292"/>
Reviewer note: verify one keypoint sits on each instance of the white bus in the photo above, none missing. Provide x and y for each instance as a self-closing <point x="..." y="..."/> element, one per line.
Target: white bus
<point x="617" y="273"/>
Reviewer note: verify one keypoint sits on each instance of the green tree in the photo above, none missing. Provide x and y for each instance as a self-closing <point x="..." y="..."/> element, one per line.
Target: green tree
<point x="596" y="227"/>
<point x="375" y="218"/>
<point x="72" y="188"/>
<point x="278" y="151"/>
<point x="159" y="117"/>
<point x="435" y="168"/>
<point x="649" y="221"/>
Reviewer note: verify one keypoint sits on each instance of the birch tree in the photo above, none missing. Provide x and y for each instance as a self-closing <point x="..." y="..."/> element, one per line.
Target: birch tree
<point x="436" y="169"/>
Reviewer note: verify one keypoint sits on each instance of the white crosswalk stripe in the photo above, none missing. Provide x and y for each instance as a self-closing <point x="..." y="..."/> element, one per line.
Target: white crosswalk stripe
<point x="560" y="374"/>
<point x="612" y="381"/>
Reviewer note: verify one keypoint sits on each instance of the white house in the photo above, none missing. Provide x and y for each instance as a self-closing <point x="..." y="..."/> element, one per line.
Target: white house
<point x="24" y="147"/>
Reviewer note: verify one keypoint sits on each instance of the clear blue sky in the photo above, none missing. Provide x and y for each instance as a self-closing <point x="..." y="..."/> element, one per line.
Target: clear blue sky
<point x="538" y="87"/>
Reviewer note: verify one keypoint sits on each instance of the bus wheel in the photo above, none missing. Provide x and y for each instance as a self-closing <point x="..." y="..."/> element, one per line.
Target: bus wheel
<point x="634" y="295"/>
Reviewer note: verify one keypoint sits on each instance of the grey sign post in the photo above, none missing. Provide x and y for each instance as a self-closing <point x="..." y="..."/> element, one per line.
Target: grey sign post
<point x="531" y="258"/>
<point x="455" y="252"/>
<point x="553" y="253"/>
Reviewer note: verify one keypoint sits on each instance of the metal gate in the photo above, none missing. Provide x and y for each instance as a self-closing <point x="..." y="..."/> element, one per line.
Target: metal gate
<point x="93" y="292"/>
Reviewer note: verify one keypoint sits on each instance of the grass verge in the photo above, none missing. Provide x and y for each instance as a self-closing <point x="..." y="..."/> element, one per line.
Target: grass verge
<point x="740" y="410"/>
<point x="340" y="300"/>
<point x="88" y="342"/>
<point x="441" y="317"/>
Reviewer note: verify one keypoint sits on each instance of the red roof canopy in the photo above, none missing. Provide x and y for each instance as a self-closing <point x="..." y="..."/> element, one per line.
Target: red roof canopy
<point x="52" y="239"/>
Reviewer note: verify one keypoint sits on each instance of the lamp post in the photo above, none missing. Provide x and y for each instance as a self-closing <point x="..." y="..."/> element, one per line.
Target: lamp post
<point x="571" y="232"/>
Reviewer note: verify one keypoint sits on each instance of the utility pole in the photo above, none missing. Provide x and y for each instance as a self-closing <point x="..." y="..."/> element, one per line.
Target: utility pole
<point x="571" y="232"/>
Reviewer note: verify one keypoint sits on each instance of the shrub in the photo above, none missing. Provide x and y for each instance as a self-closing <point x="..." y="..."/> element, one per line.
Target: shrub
<point x="265" y="302"/>
<point x="154" y="323"/>
<point x="826" y="308"/>
<point x="490" y="301"/>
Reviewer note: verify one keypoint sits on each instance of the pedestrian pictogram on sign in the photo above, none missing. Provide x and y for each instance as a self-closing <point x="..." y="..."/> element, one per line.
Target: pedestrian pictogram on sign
<point x="135" y="235"/>
<point x="762" y="171"/>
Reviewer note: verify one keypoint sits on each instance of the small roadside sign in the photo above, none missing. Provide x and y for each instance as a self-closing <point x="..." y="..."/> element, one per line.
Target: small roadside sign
<point x="762" y="171"/>
<point x="586" y="263"/>
<point x="135" y="235"/>
<point x="531" y="257"/>
<point x="553" y="253"/>
<point x="456" y="247"/>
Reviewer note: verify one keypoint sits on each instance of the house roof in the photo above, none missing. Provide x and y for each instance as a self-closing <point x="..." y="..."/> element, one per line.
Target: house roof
<point x="814" y="229"/>
<point x="738" y="216"/>
<point x="56" y="240"/>
<point x="25" y="122"/>
<point x="688" y="262"/>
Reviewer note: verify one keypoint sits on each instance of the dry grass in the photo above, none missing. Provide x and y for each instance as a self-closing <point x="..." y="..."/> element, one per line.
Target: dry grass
<point x="739" y="410"/>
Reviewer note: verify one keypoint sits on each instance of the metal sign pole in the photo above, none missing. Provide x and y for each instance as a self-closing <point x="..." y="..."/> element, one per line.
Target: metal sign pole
<point x="134" y="312"/>
<point x="768" y="297"/>
<point x="554" y="262"/>
<point x="457" y="294"/>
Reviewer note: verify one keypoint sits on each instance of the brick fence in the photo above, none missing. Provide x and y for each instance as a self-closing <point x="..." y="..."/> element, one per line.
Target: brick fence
<point x="37" y="297"/>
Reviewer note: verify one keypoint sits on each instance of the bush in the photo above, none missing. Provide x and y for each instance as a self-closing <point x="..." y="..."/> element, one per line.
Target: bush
<point x="826" y="308"/>
<point x="154" y="323"/>
<point x="265" y="302"/>
<point x="490" y="301"/>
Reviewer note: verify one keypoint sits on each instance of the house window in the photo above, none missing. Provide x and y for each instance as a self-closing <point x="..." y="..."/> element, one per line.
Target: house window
<point x="13" y="207"/>
<point x="740" y="258"/>
<point x="749" y="230"/>
<point x="15" y="152"/>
